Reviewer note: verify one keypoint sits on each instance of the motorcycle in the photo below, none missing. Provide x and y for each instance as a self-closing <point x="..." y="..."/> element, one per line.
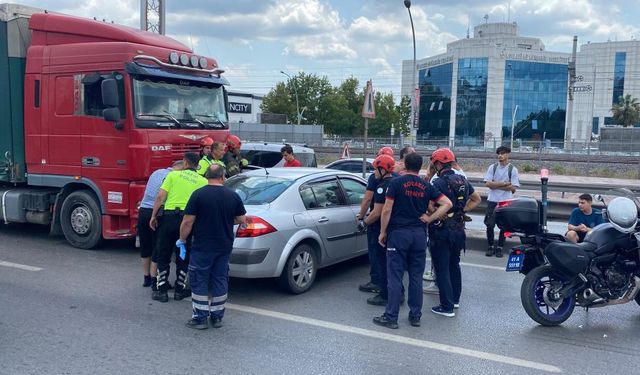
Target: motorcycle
<point x="601" y="271"/>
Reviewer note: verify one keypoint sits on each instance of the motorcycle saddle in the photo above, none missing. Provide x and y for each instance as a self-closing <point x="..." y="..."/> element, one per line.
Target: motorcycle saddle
<point x="587" y="247"/>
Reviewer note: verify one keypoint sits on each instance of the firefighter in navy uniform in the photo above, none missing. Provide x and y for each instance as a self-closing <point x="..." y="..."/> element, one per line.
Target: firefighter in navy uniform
<point x="447" y="236"/>
<point x="232" y="159"/>
<point x="174" y="195"/>
<point x="404" y="233"/>
<point x="383" y="165"/>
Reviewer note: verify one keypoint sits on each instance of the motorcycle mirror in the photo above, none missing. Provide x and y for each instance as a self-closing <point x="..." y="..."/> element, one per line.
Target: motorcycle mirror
<point x="598" y="197"/>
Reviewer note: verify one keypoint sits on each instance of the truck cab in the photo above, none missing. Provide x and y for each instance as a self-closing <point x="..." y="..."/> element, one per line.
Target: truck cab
<point x="102" y="106"/>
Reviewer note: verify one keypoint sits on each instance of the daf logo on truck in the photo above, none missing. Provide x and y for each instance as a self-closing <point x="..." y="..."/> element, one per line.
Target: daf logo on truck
<point x="160" y="148"/>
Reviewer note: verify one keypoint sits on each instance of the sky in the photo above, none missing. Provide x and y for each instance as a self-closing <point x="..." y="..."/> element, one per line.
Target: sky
<point x="253" y="40"/>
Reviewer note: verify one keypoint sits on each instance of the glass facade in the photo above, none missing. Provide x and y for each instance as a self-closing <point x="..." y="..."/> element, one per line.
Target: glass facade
<point x="618" y="77"/>
<point x="538" y="92"/>
<point x="435" y="101"/>
<point x="471" y="103"/>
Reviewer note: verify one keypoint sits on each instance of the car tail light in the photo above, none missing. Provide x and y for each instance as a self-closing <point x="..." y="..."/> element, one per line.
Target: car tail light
<point x="255" y="227"/>
<point x="506" y="203"/>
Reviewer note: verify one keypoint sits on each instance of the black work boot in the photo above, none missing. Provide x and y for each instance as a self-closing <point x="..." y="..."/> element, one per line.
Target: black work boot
<point x="499" y="252"/>
<point x="215" y="322"/>
<point x="181" y="294"/>
<point x="385" y="322"/>
<point x="197" y="324"/>
<point x="377" y="300"/>
<point x="160" y="296"/>
<point x="369" y="288"/>
<point x="490" y="251"/>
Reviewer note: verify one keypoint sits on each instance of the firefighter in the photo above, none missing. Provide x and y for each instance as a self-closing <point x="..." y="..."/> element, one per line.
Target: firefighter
<point x="232" y="159"/>
<point x="210" y="215"/>
<point x="404" y="234"/>
<point x="383" y="165"/>
<point x="174" y="195"/>
<point x="447" y="236"/>
<point x="372" y="286"/>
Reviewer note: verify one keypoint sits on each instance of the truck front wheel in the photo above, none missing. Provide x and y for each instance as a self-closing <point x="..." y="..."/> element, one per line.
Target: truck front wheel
<point x="81" y="220"/>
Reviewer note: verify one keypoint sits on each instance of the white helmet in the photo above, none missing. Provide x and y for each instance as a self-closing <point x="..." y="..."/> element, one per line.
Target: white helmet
<point x="623" y="214"/>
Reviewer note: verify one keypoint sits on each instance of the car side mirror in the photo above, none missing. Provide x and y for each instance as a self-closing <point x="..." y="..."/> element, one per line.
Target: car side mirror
<point x="109" y="88"/>
<point x="112" y="115"/>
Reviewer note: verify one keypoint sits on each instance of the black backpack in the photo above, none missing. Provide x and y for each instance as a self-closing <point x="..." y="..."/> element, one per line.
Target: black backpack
<point x="458" y="187"/>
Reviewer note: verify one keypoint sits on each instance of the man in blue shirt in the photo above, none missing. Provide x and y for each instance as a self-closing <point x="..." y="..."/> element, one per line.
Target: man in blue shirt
<point x="583" y="219"/>
<point x="145" y="234"/>
<point x="403" y="231"/>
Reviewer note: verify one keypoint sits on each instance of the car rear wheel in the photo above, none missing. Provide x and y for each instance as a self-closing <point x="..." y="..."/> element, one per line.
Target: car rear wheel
<point x="300" y="270"/>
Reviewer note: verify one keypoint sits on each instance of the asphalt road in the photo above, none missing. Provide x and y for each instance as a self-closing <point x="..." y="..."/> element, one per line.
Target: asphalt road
<point x="71" y="311"/>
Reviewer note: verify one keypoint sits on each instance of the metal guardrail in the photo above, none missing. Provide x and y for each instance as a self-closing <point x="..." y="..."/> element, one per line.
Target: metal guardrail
<point x="566" y="187"/>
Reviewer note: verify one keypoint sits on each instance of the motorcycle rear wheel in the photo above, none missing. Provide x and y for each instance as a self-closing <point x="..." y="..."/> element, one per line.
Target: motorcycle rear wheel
<point x="537" y="301"/>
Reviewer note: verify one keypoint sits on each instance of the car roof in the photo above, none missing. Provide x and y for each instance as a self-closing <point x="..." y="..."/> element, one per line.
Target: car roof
<point x="296" y="173"/>
<point x="369" y="160"/>
<point x="275" y="147"/>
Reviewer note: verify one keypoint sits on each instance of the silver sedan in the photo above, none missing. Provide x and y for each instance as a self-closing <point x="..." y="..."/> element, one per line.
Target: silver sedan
<point x="298" y="220"/>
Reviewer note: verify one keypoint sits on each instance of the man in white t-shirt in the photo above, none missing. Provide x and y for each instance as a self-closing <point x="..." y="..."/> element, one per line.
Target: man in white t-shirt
<point x="502" y="181"/>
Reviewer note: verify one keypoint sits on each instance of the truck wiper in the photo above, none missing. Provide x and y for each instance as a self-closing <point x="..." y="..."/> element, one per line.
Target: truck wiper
<point x="200" y="122"/>
<point x="170" y="116"/>
<point x="224" y="126"/>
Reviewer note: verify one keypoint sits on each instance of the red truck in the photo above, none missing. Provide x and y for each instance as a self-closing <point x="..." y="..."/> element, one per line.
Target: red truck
<point x="88" y="109"/>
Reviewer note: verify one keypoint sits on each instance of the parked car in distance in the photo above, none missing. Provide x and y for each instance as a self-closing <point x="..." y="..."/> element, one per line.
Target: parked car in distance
<point x="353" y="165"/>
<point x="298" y="220"/>
<point x="267" y="155"/>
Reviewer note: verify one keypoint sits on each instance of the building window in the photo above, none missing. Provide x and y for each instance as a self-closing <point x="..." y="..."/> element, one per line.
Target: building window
<point x="608" y="121"/>
<point x="539" y="92"/>
<point x="435" y="101"/>
<point x="471" y="101"/>
<point x="595" y="125"/>
<point x="618" y="77"/>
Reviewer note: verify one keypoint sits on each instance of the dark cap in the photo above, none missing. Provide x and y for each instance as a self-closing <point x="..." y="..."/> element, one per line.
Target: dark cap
<point x="502" y="149"/>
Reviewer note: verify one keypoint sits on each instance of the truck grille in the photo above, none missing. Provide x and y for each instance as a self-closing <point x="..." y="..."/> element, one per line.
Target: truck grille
<point x="179" y="149"/>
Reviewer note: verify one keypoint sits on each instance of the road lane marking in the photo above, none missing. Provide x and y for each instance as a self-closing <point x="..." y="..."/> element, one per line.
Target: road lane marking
<point x="397" y="338"/>
<point x="20" y="266"/>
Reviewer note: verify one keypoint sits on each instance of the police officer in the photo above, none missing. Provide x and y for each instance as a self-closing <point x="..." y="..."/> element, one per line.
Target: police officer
<point x="403" y="232"/>
<point x="447" y="236"/>
<point x="210" y="215"/>
<point x="383" y="166"/>
<point x="174" y="194"/>
<point x="373" y="285"/>
<point x="233" y="160"/>
<point x="146" y="235"/>
<point x="212" y="152"/>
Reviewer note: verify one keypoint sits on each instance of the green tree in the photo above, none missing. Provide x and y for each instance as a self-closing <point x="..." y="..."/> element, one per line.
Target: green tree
<point x="310" y="90"/>
<point x="627" y="111"/>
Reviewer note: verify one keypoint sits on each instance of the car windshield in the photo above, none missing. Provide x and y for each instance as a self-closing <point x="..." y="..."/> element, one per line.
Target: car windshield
<point x="183" y="104"/>
<point x="256" y="190"/>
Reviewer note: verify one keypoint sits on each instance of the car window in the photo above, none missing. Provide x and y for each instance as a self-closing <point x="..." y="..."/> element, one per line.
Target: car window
<point x="353" y="190"/>
<point x="307" y="159"/>
<point x="308" y="198"/>
<point x="325" y="194"/>
<point x="256" y="190"/>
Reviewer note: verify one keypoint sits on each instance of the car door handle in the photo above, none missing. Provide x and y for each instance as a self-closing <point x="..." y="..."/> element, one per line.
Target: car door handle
<point x="323" y="219"/>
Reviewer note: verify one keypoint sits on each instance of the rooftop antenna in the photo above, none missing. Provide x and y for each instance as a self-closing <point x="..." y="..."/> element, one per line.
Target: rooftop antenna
<point x="486" y="18"/>
<point x="468" y="25"/>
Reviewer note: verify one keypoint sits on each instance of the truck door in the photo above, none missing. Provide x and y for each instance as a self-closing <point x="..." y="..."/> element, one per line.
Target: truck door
<point x="104" y="149"/>
<point x="63" y="127"/>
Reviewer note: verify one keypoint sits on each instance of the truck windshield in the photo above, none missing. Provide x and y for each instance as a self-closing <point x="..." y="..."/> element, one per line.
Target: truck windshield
<point x="183" y="104"/>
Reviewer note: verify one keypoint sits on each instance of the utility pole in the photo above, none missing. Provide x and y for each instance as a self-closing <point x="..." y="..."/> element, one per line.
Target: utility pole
<point x="152" y="16"/>
<point x="572" y="81"/>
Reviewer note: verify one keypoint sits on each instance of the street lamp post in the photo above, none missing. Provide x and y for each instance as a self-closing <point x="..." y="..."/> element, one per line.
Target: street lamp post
<point x="295" y="89"/>
<point x="513" y="124"/>
<point x="414" y="131"/>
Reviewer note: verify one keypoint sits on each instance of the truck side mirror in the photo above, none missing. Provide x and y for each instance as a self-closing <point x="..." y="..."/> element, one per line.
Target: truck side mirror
<point x="112" y="115"/>
<point x="109" y="88"/>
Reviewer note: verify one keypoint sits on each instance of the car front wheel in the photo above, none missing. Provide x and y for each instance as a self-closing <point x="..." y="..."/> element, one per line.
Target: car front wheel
<point x="300" y="270"/>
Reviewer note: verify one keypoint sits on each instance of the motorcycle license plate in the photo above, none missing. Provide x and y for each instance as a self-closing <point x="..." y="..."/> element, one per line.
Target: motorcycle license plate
<point x="514" y="263"/>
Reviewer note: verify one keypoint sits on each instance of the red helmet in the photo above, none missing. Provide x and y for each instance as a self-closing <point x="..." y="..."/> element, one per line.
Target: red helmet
<point x="386" y="150"/>
<point x="443" y="155"/>
<point x="233" y="142"/>
<point x="385" y="162"/>
<point x="206" y="141"/>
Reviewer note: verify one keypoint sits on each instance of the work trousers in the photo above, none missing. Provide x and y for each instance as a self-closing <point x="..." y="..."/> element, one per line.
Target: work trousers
<point x="209" y="279"/>
<point x="406" y="250"/>
<point x="445" y="247"/>
<point x="168" y="233"/>
<point x="377" y="259"/>
<point x="490" y="222"/>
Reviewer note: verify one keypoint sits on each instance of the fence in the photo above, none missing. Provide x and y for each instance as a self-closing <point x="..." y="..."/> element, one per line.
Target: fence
<point x="279" y="133"/>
